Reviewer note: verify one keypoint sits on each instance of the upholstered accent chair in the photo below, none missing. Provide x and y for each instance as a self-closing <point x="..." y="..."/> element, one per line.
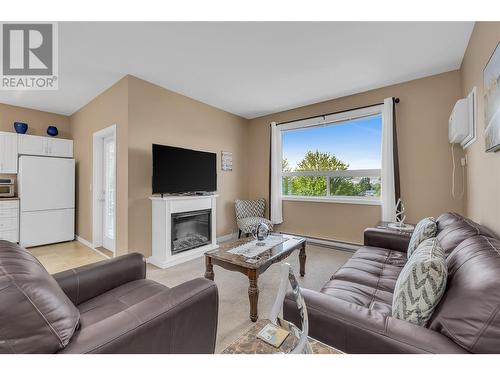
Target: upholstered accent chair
<point x="249" y="214"/>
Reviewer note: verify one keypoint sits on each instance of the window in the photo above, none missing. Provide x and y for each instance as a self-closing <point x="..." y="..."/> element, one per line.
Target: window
<point x="333" y="160"/>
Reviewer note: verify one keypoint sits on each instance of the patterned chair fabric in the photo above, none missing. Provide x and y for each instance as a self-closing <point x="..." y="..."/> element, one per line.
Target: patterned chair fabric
<point x="250" y="213"/>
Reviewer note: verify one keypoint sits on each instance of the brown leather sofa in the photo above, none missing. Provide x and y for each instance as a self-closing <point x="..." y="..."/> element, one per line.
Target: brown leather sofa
<point x="352" y="312"/>
<point x="105" y="307"/>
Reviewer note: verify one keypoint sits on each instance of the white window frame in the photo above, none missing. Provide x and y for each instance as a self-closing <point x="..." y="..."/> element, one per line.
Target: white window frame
<point x="337" y="118"/>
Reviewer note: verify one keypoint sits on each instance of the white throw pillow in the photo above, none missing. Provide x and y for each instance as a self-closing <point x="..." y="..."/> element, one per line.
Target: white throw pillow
<point x="420" y="284"/>
<point x="426" y="228"/>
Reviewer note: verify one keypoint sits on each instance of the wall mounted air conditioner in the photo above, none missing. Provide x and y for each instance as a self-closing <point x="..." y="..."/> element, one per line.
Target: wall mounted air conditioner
<point x="462" y="122"/>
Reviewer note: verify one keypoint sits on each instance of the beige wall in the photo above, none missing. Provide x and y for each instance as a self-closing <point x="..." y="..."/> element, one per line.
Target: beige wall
<point x="37" y="121"/>
<point x="145" y="114"/>
<point x="424" y="155"/>
<point x="109" y="108"/>
<point x="157" y="115"/>
<point x="483" y="170"/>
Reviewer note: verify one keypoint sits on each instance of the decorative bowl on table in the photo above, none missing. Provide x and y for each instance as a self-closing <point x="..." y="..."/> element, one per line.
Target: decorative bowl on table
<point x="20" y="127"/>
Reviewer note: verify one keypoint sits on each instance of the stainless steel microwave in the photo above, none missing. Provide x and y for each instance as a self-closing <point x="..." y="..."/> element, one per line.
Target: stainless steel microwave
<point x="6" y="187"/>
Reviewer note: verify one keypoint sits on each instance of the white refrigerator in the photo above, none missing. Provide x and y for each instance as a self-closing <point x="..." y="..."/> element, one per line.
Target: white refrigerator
<point x="46" y="189"/>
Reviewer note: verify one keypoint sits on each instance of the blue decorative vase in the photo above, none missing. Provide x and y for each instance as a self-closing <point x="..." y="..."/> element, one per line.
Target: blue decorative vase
<point x="52" y="131"/>
<point x="21" y="127"/>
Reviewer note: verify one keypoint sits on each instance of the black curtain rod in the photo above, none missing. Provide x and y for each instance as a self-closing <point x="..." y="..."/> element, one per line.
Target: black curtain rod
<point x="396" y="101"/>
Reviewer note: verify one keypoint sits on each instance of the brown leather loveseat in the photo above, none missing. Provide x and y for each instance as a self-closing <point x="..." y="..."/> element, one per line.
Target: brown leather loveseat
<point x="105" y="307"/>
<point x="352" y="312"/>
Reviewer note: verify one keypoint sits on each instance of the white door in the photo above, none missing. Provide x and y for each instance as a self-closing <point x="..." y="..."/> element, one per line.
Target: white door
<point x="8" y="152"/>
<point x="109" y="193"/>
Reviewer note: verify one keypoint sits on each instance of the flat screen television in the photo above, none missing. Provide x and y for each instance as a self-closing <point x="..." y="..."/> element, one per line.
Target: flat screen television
<point x="180" y="170"/>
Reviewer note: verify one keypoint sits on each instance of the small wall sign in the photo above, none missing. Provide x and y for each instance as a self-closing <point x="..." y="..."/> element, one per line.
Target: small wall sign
<point x="227" y="160"/>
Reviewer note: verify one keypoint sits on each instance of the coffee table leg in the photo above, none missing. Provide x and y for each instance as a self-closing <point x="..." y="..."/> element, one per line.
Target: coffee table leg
<point x="302" y="259"/>
<point x="209" y="269"/>
<point x="253" y="294"/>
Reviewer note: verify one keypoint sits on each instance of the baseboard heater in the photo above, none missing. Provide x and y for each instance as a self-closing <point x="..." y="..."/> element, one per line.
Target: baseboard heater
<point x="340" y="245"/>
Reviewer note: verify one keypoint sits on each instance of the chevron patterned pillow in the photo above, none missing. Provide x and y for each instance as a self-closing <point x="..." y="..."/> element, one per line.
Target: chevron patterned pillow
<point x="426" y="228"/>
<point x="420" y="284"/>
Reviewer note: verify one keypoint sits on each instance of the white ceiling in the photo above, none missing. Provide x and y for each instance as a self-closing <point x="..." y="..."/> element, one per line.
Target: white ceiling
<point x="250" y="69"/>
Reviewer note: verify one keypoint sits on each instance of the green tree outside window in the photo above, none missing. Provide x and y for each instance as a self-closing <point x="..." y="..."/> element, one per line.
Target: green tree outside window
<point x="316" y="185"/>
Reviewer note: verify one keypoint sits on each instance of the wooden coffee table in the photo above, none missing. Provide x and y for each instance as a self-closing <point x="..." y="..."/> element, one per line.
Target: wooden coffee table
<point x="234" y="262"/>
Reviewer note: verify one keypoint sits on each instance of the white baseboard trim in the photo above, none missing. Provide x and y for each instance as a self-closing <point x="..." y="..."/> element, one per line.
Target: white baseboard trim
<point x="227" y="237"/>
<point x="340" y="245"/>
<point x="83" y="241"/>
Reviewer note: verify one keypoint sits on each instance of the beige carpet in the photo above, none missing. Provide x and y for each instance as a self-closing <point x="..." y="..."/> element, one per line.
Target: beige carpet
<point x="321" y="263"/>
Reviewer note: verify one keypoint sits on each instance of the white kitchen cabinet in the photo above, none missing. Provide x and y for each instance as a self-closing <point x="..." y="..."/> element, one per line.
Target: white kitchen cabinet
<point x="31" y="145"/>
<point x="60" y="147"/>
<point x="8" y="152"/>
<point x="9" y="220"/>
<point x="45" y="146"/>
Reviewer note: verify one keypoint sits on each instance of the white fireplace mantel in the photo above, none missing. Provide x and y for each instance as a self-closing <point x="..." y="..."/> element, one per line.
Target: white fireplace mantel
<point x="162" y="210"/>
